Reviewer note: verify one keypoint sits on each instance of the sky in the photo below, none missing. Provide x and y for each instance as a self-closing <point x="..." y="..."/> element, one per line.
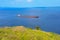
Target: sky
<point x="29" y="3"/>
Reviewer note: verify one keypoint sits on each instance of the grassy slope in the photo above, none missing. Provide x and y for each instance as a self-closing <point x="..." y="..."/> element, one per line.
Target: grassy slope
<point x="22" y="33"/>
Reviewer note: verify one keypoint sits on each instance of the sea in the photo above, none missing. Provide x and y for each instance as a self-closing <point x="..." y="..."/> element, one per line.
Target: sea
<point x="49" y="18"/>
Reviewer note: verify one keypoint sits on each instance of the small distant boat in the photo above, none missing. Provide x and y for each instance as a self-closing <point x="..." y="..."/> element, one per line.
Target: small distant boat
<point x="27" y="16"/>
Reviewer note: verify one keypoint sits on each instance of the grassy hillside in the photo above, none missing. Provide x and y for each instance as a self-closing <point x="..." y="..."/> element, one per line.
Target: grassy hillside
<point x="22" y="33"/>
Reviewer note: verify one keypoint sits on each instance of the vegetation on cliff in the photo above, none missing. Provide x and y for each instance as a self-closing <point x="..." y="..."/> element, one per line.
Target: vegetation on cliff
<point x="22" y="33"/>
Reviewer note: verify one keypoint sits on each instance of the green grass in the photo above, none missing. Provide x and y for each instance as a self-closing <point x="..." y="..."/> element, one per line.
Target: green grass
<point x="22" y="33"/>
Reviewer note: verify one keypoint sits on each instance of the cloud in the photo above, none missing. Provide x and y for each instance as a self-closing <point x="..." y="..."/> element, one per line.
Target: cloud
<point x="29" y="0"/>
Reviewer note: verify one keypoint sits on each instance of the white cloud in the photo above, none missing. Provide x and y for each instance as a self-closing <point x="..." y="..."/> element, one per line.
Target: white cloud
<point x="29" y="0"/>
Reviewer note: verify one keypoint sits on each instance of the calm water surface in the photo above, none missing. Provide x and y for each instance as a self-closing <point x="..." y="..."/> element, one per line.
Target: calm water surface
<point x="49" y="18"/>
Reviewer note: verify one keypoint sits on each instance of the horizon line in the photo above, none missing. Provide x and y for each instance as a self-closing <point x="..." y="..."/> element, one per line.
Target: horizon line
<point x="29" y="7"/>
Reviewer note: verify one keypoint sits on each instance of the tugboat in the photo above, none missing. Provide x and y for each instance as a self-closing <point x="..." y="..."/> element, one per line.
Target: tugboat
<point x="27" y="16"/>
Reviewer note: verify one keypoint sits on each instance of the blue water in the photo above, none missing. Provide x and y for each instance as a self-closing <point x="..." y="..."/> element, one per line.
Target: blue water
<point x="49" y="18"/>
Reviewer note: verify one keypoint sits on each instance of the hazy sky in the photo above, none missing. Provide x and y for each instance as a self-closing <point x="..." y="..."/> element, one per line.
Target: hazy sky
<point x="29" y="3"/>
